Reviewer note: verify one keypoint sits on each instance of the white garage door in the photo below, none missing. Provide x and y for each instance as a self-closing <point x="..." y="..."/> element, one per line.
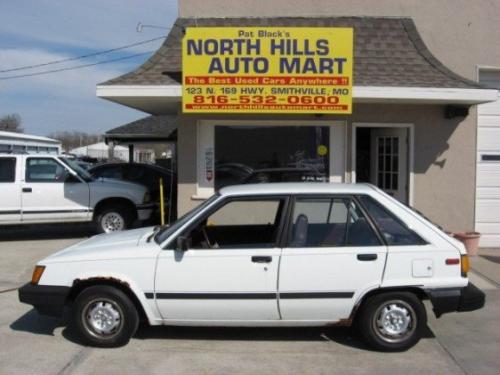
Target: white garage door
<point x="488" y="166"/>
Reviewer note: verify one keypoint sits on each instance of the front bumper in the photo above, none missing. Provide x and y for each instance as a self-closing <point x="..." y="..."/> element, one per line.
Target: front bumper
<point x="47" y="299"/>
<point x="448" y="300"/>
<point x="144" y="211"/>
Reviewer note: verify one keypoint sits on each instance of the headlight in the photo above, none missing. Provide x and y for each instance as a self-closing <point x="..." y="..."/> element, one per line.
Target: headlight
<point x="147" y="197"/>
<point x="37" y="274"/>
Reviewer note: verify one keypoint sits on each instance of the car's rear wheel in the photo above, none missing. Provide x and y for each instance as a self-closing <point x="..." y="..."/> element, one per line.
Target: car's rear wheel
<point x="104" y="316"/>
<point x="113" y="219"/>
<point x="392" y="321"/>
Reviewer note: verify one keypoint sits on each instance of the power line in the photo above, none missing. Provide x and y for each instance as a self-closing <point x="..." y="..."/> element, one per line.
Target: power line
<point x="75" y="67"/>
<point x="82" y="56"/>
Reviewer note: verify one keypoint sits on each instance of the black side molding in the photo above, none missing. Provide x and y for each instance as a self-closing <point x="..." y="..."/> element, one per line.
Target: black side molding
<point x="263" y="295"/>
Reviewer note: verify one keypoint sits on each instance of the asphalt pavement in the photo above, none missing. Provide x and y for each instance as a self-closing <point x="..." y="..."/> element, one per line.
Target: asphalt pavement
<point x="454" y="344"/>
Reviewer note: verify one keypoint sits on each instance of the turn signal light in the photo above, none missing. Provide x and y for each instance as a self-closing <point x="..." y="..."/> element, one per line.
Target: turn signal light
<point x="465" y="265"/>
<point x="37" y="274"/>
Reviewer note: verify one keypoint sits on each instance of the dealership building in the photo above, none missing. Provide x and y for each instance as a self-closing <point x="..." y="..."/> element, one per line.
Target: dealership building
<point x="425" y="122"/>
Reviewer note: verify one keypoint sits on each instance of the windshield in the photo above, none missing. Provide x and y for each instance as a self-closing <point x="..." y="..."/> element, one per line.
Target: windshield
<point x="166" y="232"/>
<point x="79" y="170"/>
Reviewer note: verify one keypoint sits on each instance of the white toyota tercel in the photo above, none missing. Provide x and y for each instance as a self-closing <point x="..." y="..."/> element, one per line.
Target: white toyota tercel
<point x="304" y="254"/>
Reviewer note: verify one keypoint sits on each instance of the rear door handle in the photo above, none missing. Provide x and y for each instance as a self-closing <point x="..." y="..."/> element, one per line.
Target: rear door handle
<point x="367" y="257"/>
<point x="27" y="190"/>
<point x="262" y="259"/>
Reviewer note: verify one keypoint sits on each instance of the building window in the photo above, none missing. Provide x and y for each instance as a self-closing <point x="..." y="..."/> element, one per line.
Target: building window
<point x="18" y="148"/>
<point x="4" y="148"/>
<point x="255" y="154"/>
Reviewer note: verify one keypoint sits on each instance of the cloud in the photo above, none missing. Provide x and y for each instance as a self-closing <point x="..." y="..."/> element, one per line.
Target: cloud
<point x="38" y="31"/>
<point x="62" y="84"/>
<point x="64" y="100"/>
<point x="90" y="24"/>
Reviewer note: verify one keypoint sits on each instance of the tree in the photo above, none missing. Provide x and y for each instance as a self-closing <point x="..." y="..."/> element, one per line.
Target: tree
<point x="11" y="123"/>
<point x="74" y="139"/>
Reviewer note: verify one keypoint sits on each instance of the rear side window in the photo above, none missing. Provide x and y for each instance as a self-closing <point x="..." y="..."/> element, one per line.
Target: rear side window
<point x="395" y="232"/>
<point x="330" y="222"/>
<point x="109" y="172"/>
<point x="7" y="169"/>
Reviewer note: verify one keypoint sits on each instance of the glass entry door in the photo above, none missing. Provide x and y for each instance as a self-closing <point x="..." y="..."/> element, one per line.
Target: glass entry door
<point x="389" y="161"/>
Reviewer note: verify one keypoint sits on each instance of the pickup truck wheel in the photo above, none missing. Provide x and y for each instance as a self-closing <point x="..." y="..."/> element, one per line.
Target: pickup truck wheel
<point x="104" y="316"/>
<point x="392" y="321"/>
<point x="113" y="219"/>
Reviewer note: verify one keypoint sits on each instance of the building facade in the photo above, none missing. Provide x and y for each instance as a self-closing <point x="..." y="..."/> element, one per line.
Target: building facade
<point x="414" y="126"/>
<point x="11" y="142"/>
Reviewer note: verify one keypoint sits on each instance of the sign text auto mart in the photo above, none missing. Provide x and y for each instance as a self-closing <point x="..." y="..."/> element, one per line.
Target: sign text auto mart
<point x="293" y="70"/>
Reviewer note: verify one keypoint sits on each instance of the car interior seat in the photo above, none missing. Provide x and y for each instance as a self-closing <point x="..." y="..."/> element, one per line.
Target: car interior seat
<point x="300" y="231"/>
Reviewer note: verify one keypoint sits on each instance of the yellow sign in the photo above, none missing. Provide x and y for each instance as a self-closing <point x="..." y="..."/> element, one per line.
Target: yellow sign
<point x="322" y="150"/>
<point x="267" y="70"/>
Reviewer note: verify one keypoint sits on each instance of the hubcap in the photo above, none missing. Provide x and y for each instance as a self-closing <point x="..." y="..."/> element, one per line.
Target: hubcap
<point x="102" y="318"/>
<point x="112" y="222"/>
<point x="394" y="321"/>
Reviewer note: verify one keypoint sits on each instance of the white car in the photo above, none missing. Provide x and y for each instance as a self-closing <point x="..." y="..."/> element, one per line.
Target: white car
<point x="291" y="254"/>
<point x="53" y="189"/>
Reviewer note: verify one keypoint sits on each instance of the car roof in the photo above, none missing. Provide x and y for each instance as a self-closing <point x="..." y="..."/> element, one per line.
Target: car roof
<point x="297" y="188"/>
<point x="283" y="169"/>
<point x="158" y="168"/>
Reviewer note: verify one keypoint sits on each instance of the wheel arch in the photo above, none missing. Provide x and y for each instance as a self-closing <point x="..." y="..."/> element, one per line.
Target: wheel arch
<point x="79" y="285"/>
<point x="419" y="292"/>
<point x="115" y="201"/>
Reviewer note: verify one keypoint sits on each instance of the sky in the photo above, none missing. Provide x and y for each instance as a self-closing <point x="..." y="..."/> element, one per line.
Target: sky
<point x="39" y="31"/>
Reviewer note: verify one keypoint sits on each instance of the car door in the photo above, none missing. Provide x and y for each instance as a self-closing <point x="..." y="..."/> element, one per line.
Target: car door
<point x="229" y="271"/>
<point x="333" y="256"/>
<point x="10" y="190"/>
<point x="50" y="193"/>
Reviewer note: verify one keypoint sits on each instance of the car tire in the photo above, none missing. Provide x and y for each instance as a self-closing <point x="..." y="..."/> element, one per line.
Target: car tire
<point x="393" y="321"/>
<point x="113" y="219"/>
<point x="104" y="316"/>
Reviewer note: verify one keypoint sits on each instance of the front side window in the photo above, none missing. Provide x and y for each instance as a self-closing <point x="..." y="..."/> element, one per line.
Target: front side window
<point x="330" y="222"/>
<point x="245" y="224"/>
<point x="44" y="170"/>
<point x="7" y="169"/>
<point x="395" y="232"/>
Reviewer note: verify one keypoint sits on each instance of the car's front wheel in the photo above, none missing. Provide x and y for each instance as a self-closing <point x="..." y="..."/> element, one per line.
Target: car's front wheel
<point x="113" y="219"/>
<point x="392" y="321"/>
<point x="104" y="316"/>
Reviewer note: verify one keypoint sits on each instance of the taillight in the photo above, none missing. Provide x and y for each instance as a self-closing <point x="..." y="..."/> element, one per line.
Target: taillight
<point x="465" y="265"/>
<point x="451" y="261"/>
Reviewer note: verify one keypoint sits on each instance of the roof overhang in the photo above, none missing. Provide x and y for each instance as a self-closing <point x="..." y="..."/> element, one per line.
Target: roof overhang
<point x="158" y="99"/>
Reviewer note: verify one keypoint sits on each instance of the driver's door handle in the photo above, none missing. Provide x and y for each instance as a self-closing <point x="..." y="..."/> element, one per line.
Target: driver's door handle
<point x="262" y="259"/>
<point x="27" y="190"/>
<point x="367" y="257"/>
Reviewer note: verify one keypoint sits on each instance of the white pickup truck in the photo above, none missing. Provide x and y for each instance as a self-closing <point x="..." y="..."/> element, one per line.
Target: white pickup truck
<point x="52" y="189"/>
<point x="306" y="254"/>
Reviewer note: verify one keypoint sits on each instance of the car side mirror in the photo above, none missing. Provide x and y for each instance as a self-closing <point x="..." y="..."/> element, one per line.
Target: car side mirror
<point x="182" y="243"/>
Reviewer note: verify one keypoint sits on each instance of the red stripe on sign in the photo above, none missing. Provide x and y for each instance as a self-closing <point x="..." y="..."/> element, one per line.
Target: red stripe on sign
<point x="340" y="107"/>
<point x="267" y="80"/>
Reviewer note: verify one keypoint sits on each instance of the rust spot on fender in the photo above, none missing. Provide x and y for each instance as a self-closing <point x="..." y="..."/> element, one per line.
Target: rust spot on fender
<point x="101" y="278"/>
<point x="341" y="323"/>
